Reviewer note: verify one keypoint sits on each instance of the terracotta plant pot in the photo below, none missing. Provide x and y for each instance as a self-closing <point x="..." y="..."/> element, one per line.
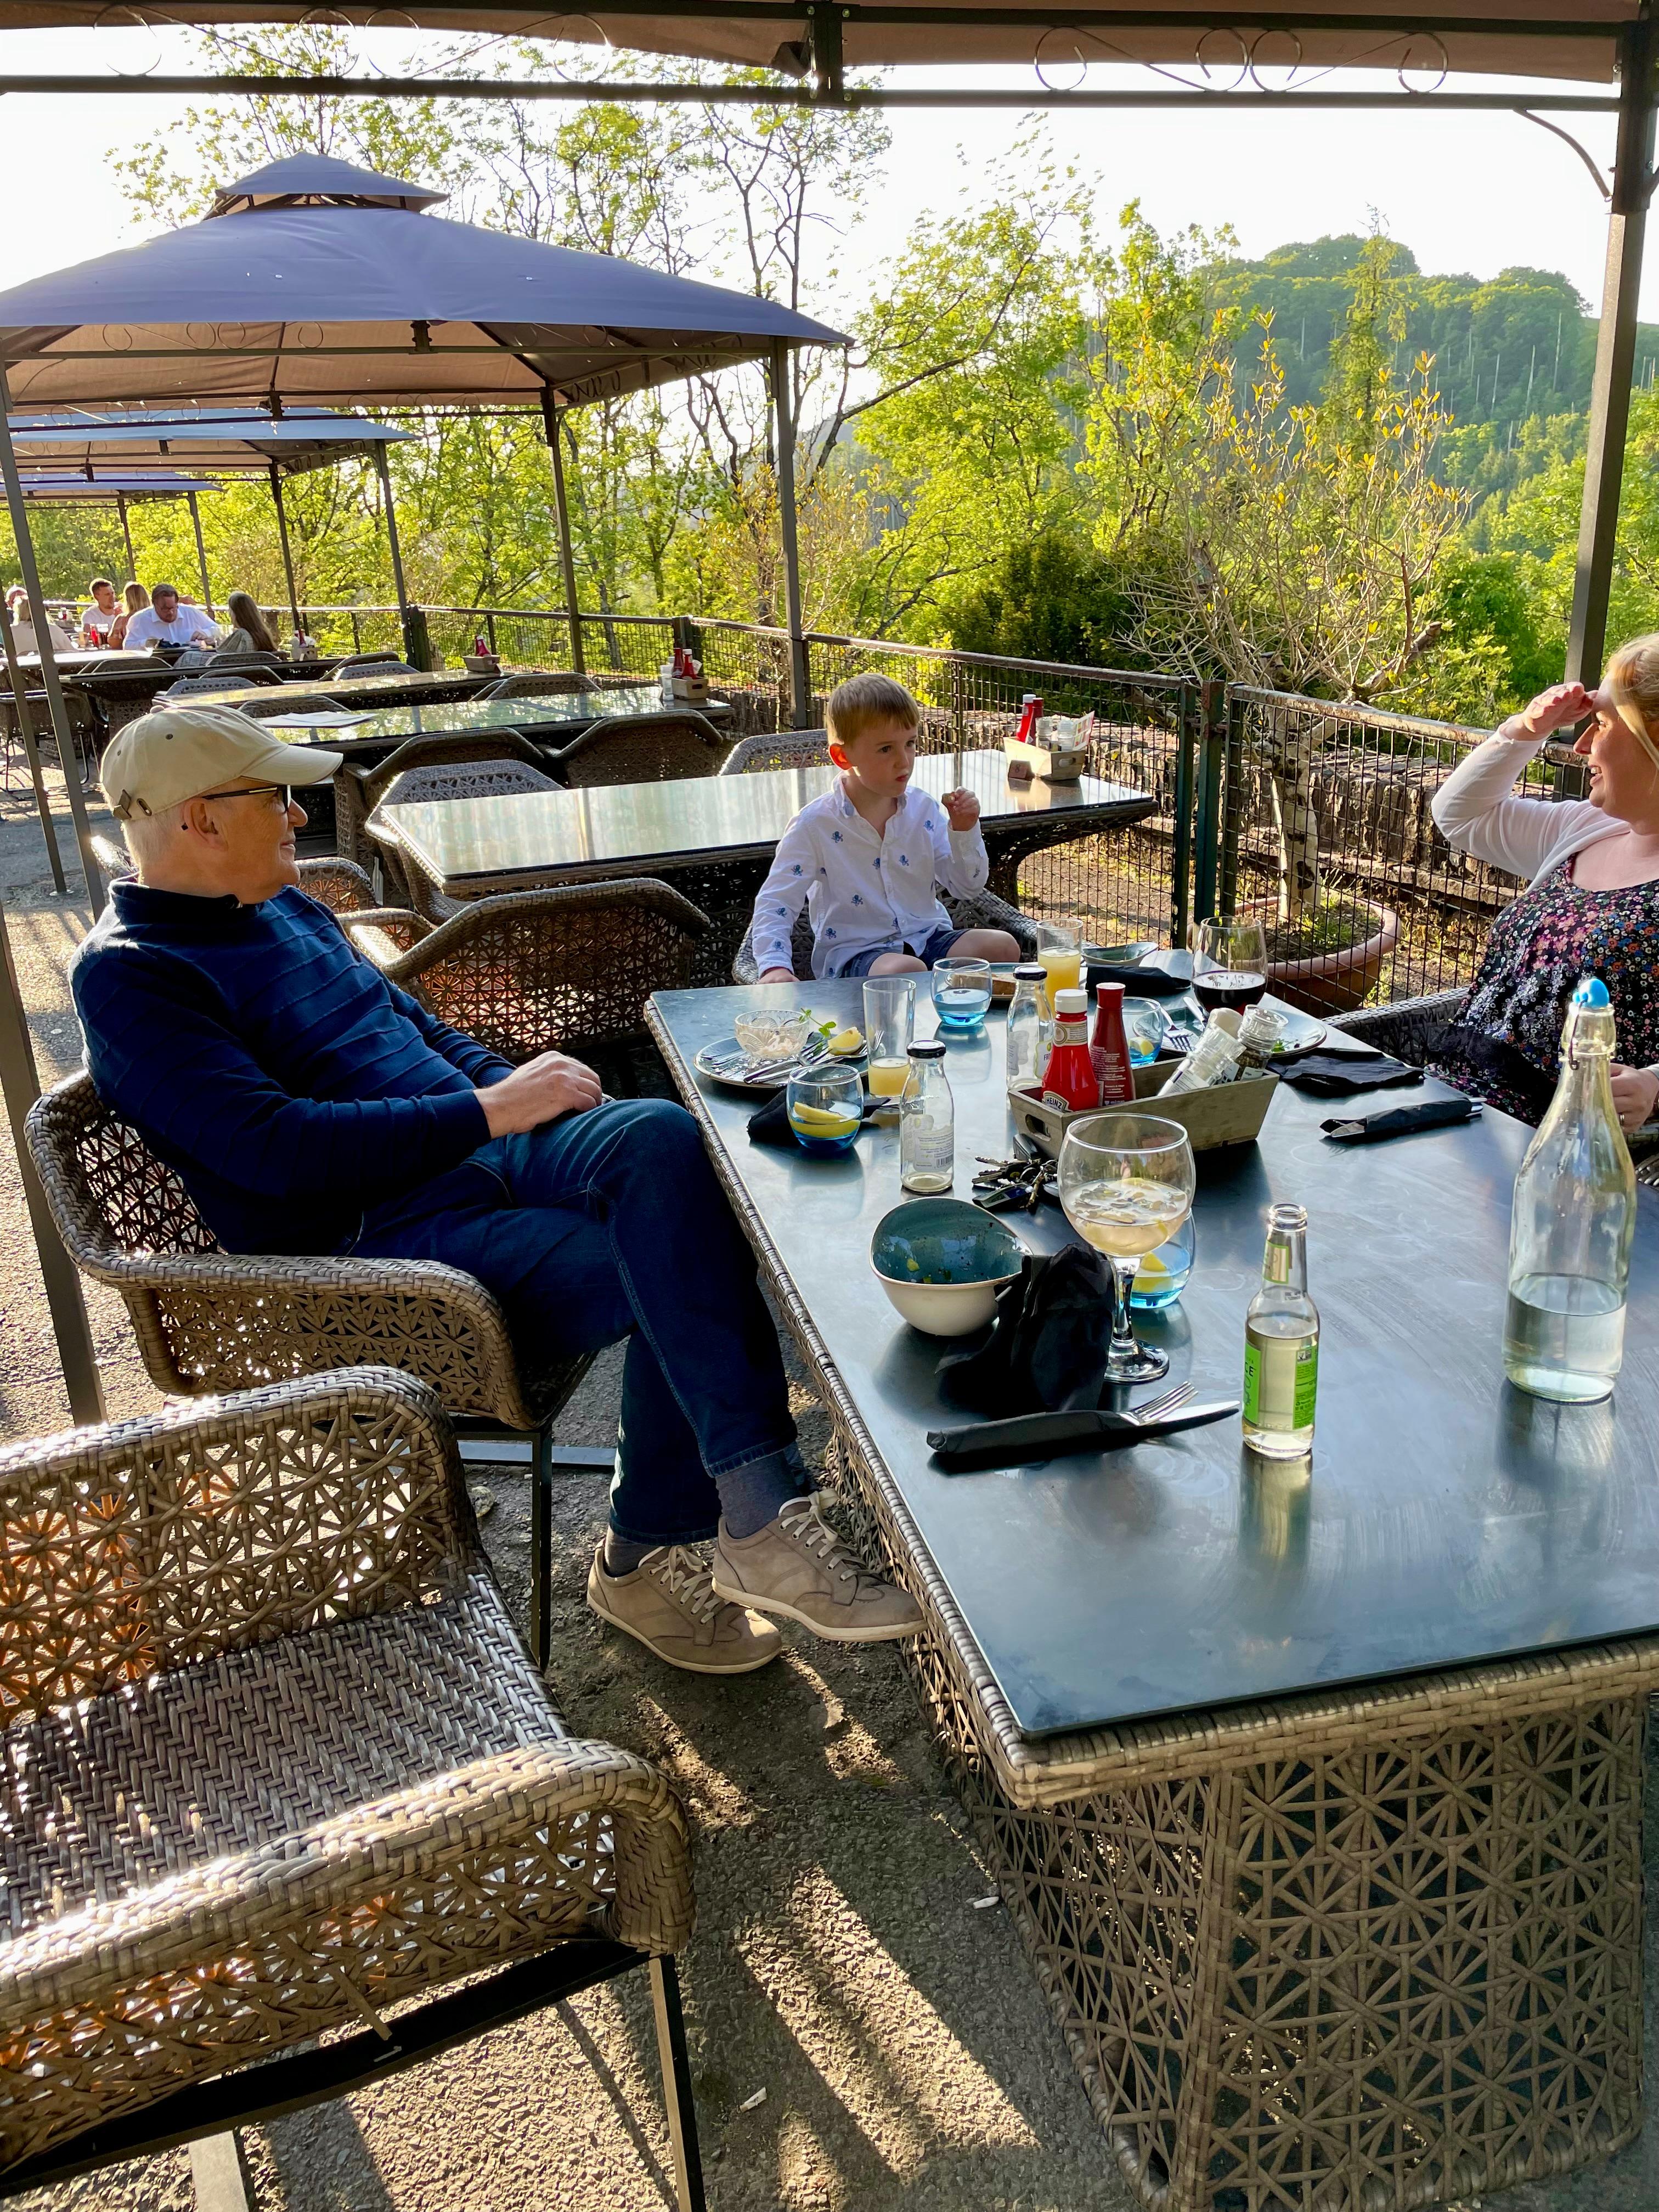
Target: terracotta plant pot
<point x="1336" y="982"/>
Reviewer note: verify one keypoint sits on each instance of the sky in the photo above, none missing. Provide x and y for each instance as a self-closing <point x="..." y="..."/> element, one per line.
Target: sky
<point x="1470" y="193"/>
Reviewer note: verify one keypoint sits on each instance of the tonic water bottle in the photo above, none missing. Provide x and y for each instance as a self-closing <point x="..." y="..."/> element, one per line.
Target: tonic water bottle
<point x="928" y="1123"/>
<point x="1282" y="1344"/>
<point x="1571" y="1224"/>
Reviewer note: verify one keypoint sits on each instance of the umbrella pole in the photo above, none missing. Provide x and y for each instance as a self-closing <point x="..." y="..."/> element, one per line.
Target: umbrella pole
<point x="552" y="421"/>
<point x="201" y="553"/>
<point x="21" y="1087"/>
<point x="287" y="555"/>
<point x="799" y="704"/>
<point x="32" y="754"/>
<point x="55" y="700"/>
<point x="126" y="532"/>
<point x="385" y="475"/>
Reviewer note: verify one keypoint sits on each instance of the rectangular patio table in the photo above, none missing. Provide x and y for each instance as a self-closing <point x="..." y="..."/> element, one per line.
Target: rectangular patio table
<point x="1318" y="1797"/>
<point x="552" y="718"/>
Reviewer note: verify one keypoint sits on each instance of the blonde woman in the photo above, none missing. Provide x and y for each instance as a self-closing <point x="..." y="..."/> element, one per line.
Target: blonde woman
<point x="136" y="598"/>
<point x="1591" y="905"/>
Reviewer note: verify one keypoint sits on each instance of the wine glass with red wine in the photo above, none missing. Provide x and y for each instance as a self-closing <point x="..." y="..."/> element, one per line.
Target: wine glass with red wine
<point x="1229" y="964"/>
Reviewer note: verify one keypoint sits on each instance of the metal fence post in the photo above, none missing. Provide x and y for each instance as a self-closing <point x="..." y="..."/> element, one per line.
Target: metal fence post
<point x="1232" y="804"/>
<point x="1181" y="853"/>
<point x="1207" y="833"/>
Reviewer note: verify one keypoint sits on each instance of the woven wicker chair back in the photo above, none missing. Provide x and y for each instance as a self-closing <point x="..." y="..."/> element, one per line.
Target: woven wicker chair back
<point x="778" y="749"/>
<point x="192" y="687"/>
<point x="641" y="749"/>
<point x="340" y="884"/>
<point x="493" y="745"/>
<point x="569" y="969"/>
<point x="465" y="779"/>
<point x="119" y="1195"/>
<point x="536" y="683"/>
<point x="376" y="664"/>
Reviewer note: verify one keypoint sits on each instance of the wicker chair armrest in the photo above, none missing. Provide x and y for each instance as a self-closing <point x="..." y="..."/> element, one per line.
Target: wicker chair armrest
<point x="339" y="884"/>
<point x="985" y="910"/>
<point x="134" y="1546"/>
<point x="384" y="934"/>
<point x="642" y="894"/>
<point x="553" y="1796"/>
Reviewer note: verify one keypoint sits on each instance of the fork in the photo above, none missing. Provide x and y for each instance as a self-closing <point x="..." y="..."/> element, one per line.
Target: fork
<point x="1157" y="1408"/>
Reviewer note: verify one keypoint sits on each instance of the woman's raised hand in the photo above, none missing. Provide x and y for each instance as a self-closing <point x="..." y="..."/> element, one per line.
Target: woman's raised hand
<point x="1562" y="703"/>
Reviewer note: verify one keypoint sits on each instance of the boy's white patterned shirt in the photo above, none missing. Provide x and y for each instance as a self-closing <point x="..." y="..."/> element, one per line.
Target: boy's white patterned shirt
<point x="864" y="891"/>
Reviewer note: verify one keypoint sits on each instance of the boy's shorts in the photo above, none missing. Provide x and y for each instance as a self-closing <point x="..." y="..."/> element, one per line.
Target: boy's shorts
<point x="937" y="947"/>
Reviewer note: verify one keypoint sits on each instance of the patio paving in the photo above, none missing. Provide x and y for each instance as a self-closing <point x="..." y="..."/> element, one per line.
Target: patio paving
<point x="843" y="1964"/>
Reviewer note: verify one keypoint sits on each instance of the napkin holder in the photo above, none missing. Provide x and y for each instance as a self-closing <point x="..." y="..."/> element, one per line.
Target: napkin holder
<point x="689" y="691"/>
<point x="1060" y="754"/>
<point x="482" y="664"/>
<point x="1225" y="1114"/>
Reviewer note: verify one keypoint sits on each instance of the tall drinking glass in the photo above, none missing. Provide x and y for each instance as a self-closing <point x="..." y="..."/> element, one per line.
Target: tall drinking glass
<point x="1058" y="949"/>
<point x="1229" y="964"/>
<point x="1126" y="1184"/>
<point x="890" y="1013"/>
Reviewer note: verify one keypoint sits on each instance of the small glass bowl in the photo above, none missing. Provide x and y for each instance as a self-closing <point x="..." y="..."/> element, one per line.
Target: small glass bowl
<point x="962" y="994"/>
<point x="1144" y="1026"/>
<point x="774" y="1036"/>
<point x="1162" y="1275"/>
<point x="825" y="1106"/>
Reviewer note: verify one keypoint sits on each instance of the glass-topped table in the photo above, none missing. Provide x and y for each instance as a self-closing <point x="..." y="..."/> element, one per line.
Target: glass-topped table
<point x="467" y="847"/>
<point x="1317" y="1790"/>
<point x="553" y="716"/>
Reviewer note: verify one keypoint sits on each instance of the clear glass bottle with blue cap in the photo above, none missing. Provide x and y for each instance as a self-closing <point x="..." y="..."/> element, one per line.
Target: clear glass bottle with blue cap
<point x="1571" y="1223"/>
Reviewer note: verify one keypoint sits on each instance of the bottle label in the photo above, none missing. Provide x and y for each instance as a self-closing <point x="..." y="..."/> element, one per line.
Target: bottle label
<point x="1304" y="1390"/>
<point x="1307" y="1382"/>
<point x="1253" y="1384"/>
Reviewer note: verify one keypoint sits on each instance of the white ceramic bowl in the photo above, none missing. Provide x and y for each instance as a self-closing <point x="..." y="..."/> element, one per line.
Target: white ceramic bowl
<point x="941" y="1238"/>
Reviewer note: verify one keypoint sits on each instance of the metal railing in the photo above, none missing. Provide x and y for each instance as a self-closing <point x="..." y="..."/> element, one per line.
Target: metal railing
<point x="1225" y="762"/>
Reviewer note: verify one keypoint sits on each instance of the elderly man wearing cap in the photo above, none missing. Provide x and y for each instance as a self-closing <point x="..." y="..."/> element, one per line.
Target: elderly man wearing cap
<point x="311" y="1106"/>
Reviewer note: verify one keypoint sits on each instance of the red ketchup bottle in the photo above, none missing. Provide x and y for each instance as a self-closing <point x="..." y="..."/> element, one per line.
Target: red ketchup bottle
<point x="1069" y="1080"/>
<point x="1108" y="1048"/>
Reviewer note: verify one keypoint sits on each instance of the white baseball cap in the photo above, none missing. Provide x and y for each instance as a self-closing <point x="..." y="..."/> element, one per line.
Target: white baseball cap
<point x="162" y="758"/>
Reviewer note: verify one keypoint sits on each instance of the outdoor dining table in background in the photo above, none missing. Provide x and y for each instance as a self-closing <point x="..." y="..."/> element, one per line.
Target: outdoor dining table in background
<point x="713" y="837"/>
<point x="550" y="717"/>
<point x="1317" y="1801"/>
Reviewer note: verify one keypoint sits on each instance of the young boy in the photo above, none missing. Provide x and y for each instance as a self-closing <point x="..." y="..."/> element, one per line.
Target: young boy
<point x="866" y="856"/>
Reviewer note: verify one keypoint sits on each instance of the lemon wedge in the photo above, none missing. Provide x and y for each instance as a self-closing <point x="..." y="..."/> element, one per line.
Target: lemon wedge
<point x="1152" y="1269"/>
<point x="817" y="1122"/>
<point x="846" y="1042"/>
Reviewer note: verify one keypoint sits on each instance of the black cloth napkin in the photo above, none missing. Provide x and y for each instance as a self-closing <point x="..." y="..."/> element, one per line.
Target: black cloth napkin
<point x="1339" y="1074"/>
<point x="1053" y="1328"/>
<point x="1138" y="982"/>
<point x="1399" y="1120"/>
<point x="769" y="1124"/>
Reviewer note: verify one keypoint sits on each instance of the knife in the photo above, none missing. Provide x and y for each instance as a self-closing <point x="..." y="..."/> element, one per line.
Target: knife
<point x="1046" y="1436"/>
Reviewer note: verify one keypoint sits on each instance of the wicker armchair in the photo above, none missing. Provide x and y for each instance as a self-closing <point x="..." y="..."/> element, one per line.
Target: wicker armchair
<point x="536" y="683"/>
<point x="571" y="967"/>
<point x="1405" y="1028"/>
<point x="376" y="664"/>
<point x="779" y="749"/>
<point x="276" y="1764"/>
<point x="338" y="884"/>
<point x="641" y="748"/>
<point x="360" y="786"/>
<point x="982" y="910"/>
<point x="207" y="1320"/>
<point x="197" y="687"/>
<point x="486" y="778"/>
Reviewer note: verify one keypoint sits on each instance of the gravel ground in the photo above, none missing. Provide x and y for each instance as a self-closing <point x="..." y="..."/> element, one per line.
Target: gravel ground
<point x="842" y="1963"/>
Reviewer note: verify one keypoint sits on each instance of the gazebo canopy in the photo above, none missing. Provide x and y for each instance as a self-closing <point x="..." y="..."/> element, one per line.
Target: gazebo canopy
<point x="1510" y="38"/>
<point x="159" y="483"/>
<point x="224" y="439"/>
<point x="379" y="303"/>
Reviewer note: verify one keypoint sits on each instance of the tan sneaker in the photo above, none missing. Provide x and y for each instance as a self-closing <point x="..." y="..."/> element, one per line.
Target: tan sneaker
<point x="797" y="1566"/>
<point x="667" y="1605"/>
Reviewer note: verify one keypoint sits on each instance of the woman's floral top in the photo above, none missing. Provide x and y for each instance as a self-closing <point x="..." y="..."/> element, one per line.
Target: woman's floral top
<point x="1538" y="949"/>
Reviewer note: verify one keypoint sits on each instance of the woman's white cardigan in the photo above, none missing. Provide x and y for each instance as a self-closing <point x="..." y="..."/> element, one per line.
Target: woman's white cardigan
<point x="1476" y="811"/>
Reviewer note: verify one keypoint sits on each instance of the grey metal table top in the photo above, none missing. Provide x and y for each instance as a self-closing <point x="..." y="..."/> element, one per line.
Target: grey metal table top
<point x="554" y="714"/>
<point x="1449" y="1518"/>
<point x="467" y="846"/>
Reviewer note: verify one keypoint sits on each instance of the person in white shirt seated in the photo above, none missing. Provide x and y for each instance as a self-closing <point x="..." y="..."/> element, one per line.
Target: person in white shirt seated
<point x="167" y="621"/>
<point x="866" y="859"/>
<point x="23" y="638"/>
<point x="102" y="616"/>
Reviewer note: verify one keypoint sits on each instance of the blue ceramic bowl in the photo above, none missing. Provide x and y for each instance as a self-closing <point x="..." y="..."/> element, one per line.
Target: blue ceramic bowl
<point x="940" y="1262"/>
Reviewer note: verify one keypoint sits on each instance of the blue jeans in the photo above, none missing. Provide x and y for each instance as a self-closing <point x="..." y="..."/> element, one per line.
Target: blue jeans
<point x="610" y="1224"/>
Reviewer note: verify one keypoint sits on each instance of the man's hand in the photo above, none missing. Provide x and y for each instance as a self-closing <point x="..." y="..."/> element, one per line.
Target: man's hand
<point x="779" y="975"/>
<point x="550" y="1084"/>
<point x="962" y="808"/>
<point x="1635" y="1092"/>
<point x="1562" y="703"/>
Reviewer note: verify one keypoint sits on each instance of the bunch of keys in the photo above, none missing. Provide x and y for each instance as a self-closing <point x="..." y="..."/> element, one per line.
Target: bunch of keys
<point x="1013" y="1186"/>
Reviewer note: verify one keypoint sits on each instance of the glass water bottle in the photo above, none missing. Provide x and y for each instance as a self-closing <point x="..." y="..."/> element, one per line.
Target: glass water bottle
<point x="928" y="1123"/>
<point x="1282" y="1344"/>
<point x="1030" y="1026"/>
<point x="1571" y="1224"/>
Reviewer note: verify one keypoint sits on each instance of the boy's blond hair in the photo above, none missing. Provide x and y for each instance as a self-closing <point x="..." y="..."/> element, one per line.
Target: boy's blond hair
<point x="852" y="707"/>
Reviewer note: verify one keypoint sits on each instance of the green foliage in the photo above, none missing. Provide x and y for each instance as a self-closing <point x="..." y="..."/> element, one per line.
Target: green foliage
<point x="1052" y="597"/>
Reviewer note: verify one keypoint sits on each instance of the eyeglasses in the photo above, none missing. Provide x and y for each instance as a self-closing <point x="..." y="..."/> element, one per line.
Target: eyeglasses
<point x="281" y="791"/>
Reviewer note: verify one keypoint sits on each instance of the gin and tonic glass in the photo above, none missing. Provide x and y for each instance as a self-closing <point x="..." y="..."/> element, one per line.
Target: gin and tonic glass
<point x="1126" y="1184"/>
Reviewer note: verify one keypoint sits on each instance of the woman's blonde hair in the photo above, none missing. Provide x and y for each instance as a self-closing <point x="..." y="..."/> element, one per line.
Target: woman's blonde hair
<point x="137" y="597"/>
<point x="1633" y="680"/>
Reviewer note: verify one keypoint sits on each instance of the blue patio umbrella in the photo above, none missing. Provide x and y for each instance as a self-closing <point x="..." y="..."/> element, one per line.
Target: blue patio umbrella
<point x="315" y="283"/>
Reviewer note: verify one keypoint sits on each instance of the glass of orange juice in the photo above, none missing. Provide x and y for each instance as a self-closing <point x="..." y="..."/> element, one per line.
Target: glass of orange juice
<point x="890" y="1013"/>
<point x="1062" y="959"/>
